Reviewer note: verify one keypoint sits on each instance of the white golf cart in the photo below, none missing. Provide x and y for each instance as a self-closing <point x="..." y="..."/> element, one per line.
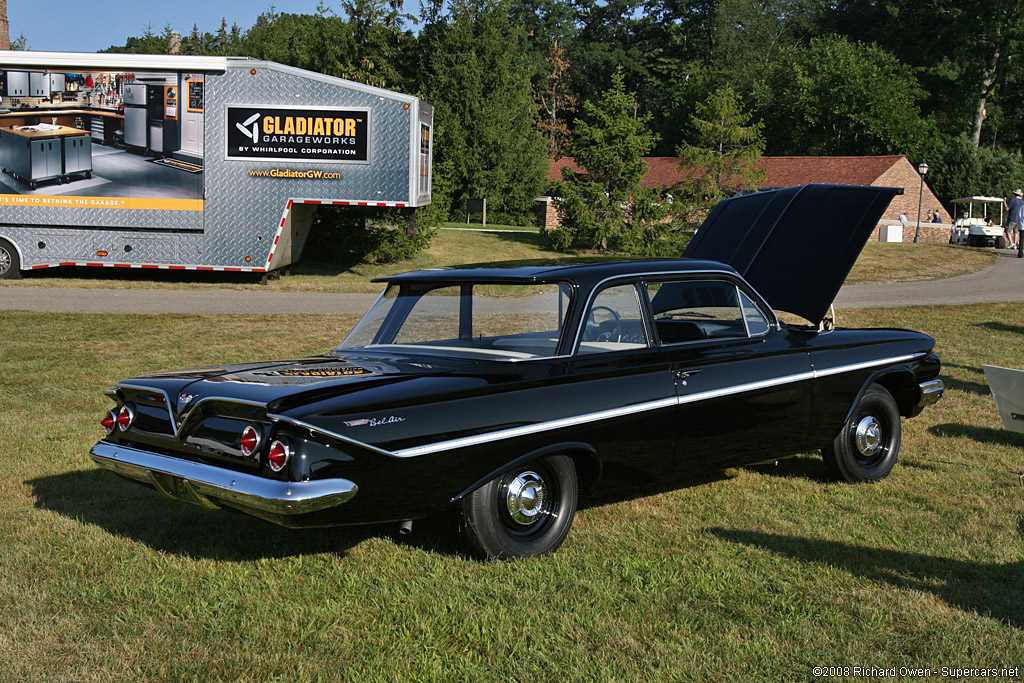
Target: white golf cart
<point x="974" y="223"/>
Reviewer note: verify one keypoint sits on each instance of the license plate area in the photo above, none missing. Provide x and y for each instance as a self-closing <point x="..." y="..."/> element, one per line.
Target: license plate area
<point x="179" y="488"/>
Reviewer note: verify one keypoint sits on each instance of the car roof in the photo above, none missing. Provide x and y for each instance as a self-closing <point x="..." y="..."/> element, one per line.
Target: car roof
<point x="577" y="271"/>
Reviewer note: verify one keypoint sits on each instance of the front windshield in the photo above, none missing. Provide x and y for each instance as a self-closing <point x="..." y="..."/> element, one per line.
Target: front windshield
<point x="506" y="320"/>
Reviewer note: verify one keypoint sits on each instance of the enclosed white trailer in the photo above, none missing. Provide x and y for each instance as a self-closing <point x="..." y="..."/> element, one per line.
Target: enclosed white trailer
<point x="192" y="163"/>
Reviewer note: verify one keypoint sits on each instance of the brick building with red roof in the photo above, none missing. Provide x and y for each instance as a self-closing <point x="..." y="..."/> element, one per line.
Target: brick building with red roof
<point x="885" y="171"/>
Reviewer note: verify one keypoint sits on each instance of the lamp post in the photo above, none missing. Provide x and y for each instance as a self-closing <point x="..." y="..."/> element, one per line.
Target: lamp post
<point x="922" y="168"/>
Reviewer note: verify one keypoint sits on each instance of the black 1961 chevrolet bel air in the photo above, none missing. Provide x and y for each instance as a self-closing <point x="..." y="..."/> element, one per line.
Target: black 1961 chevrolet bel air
<point x="504" y="390"/>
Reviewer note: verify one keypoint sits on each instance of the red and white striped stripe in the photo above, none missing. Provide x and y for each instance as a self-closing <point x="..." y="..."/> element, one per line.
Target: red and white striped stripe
<point x="150" y="266"/>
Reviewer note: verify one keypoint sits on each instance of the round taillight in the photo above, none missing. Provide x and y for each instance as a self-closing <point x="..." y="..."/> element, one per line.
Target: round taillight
<point x="125" y="417"/>
<point x="250" y="441"/>
<point x="277" y="457"/>
<point x="108" y="422"/>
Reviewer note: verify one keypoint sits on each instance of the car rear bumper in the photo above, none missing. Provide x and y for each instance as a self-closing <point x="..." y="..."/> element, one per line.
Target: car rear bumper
<point x="213" y="487"/>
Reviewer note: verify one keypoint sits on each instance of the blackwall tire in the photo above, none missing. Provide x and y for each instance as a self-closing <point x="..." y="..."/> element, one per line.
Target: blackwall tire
<point x="525" y="512"/>
<point x="10" y="262"/>
<point x="1000" y="243"/>
<point x="868" y="445"/>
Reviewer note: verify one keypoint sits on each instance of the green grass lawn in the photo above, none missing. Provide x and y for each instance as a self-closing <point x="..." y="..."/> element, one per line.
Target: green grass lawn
<point x="762" y="572"/>
<point x="881" y="262"/>
<point x="490" y="226"/>
<point x="878" y="262"/>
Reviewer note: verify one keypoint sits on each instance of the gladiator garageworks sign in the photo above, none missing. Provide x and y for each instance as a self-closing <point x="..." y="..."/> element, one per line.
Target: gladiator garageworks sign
<point x="298" y="133"/>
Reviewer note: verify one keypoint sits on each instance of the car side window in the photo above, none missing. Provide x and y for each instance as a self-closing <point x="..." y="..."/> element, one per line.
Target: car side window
<point x="691" y="310"/>
<point x="614" y="321"/>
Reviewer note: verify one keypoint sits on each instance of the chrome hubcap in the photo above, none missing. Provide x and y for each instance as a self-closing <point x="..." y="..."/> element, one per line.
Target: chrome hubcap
<point x="868" y="437"/>
<point x="525" y="498"/>
<point x="5" y="260"/>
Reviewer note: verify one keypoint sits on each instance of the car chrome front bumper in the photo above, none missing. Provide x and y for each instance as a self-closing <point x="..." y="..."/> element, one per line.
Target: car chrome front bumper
<point x="211" y="487"/>
<point x="931" y="392"/>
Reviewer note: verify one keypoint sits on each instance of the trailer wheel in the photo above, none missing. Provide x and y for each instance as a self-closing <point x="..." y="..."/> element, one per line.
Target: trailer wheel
<point x="10" y="264"/>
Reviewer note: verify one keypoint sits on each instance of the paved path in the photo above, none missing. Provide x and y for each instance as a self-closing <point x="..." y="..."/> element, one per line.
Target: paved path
<point x="1002" y="281"/>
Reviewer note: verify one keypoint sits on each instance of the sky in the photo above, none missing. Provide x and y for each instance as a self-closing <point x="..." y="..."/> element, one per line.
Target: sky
<point x="66" y="26"/>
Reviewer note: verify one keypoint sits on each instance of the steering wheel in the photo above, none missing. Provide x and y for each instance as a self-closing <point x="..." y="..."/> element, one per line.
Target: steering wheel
<point x="609" y="330"/>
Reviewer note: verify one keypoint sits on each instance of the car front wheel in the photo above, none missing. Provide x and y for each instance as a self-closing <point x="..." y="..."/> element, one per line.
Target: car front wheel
<point x="866" y="448"/>
<point x="525" y="512"/>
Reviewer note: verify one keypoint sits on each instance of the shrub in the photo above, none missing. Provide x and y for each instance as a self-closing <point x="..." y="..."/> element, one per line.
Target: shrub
<point x="357" y="235"/>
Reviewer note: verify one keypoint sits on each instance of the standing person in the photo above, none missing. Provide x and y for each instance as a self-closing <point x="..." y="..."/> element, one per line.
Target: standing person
<point x="936" y="218"/>
<point x="1015" y="223"/>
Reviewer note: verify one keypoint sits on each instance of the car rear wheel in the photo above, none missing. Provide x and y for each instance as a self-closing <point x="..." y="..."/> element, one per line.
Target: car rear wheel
<point x="866" y="448"/>
<point x="10" y="264"/>
<point x="525" y="512"/>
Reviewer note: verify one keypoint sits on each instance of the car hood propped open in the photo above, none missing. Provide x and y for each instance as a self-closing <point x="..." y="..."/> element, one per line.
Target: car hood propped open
<point x="795" y="245"/>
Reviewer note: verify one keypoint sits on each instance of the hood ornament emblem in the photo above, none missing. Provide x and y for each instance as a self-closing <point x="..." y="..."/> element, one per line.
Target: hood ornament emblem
<point x="185" y="399"/>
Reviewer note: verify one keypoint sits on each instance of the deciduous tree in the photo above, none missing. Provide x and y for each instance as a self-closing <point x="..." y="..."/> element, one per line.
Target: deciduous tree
<point x="837" y="97"/>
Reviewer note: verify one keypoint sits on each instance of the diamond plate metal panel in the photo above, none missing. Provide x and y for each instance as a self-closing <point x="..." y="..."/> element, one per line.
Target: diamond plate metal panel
<point x="241" y="213"/>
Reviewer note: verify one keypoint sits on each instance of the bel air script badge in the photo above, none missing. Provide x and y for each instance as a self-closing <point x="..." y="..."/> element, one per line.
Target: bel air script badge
<point x="374" y="421"/>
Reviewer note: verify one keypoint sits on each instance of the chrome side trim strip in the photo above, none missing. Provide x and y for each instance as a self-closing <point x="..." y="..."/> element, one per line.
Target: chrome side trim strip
<point x="139" y="387"/>
<point x="223" y="399"/>
<point x="535" y="428"/>
<point x="640" y="407"/>
<point x="208" y="485"/>
<point x="743" y="388"/>
<point x="334" y="435"/>
<point x="866" y="364"/>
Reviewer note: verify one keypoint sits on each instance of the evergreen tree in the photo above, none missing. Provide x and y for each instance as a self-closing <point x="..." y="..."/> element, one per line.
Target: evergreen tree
<point x="486" y="135"/>
<point x="611" y="140"/>
<point x="606" y="207"/>
<point x="727" y="150"/>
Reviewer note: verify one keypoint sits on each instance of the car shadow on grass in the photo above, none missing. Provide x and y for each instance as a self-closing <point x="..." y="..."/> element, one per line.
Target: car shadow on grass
<point x="1001" y="327"/>
<point x="132" y="510"/>
<point x="977" y="388"/>
<point x="985" y="435"/>
<point x="988" y="590"/>
<point x="140" y="513"/>
<point x="619" y="484"/>
<point x="807" y="466"/>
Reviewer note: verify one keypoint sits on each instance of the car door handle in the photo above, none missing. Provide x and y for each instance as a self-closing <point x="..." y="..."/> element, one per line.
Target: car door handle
<point x="683" y="374"/>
